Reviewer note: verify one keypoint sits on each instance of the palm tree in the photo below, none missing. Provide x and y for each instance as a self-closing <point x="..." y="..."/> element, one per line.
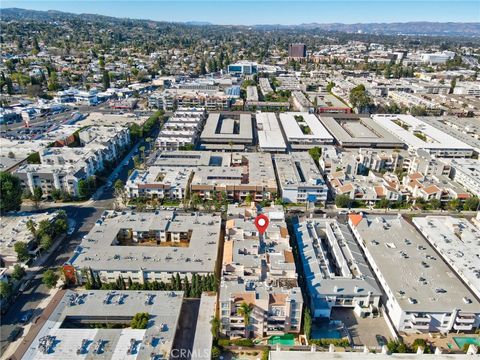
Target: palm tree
<point x="215" y="322"/>
<point x="31" y="226"/>
<point x="245" y="310"/>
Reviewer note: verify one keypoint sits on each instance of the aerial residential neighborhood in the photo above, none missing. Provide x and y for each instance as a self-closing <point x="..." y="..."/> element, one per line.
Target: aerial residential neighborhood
<point x="278" y="180"/>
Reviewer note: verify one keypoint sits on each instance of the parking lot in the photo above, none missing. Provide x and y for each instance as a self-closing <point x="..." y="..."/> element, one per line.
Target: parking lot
<point x="364" y="331"/>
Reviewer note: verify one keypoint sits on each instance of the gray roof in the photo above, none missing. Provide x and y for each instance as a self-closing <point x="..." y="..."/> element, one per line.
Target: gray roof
<point x="163" y="308"/>
<point x="98" y="250"/>
<point x="221" y="129"/>
<point x="353" y="130"/>
<point x="411" y="268"/>
<point x="355" y="278"/>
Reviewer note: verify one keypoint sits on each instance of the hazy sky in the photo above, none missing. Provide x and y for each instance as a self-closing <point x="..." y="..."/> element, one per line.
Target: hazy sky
<point x="268" y="12"/>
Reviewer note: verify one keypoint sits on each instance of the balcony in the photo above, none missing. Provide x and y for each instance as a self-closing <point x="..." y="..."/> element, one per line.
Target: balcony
<point x="420" y="318"/>
<point x="465" y="318"/>
<point x="462" y="327"/>
<point x="420" y="325"/>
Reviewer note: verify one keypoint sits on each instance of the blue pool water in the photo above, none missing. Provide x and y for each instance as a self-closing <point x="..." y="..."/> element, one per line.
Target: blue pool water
<point x="460" y="341"/>
<point x="325" y="334"/>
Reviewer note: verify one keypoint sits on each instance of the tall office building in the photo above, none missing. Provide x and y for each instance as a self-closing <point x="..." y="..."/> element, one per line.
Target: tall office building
<point x="297" y="50"/>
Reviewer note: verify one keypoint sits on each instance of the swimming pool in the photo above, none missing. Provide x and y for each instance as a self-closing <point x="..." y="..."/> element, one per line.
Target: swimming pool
<point x="287" y="339"/>
<point x="326" y="334"/>
<point x="461" y="341"/>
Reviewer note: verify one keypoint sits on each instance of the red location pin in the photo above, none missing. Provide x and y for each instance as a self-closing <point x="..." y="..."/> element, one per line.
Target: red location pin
<point x="261" y="222"/>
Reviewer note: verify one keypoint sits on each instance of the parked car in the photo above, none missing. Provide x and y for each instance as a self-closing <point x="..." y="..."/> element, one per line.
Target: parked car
<point x="26" y="316"/>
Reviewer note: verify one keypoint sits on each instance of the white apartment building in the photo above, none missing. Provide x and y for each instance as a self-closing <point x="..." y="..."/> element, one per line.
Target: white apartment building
<point x="299" y="178"/>
<point x="63" y="167"/>
<point x="467" y="173"/>
<point x="336" y="273"/>
<point x="417" y="134"/>
<point x="422" y="293"/>
<point x="159" y="182"/>
<point x="181" y="129"/>
<point x="148" y="246"/>
<point x="304" y="130"/>
<point x="457" y="241"/>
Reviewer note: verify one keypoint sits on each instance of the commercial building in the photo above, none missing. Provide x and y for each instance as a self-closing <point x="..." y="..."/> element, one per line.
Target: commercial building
<point x="223" y="130"/>
<point x="159" y="182"/>
<point x="417" y="134"/>
<point x="243" y="68"/>
<point x="335" y="271"/>
<point x="270" y="136"/>
<point x="359" y="131"/>
<point x="456" y="240"/>
<point x="181" y="129"/>
<point x="148" y="246"/>
<point x="297" y="51"/>
<point x="422" y="293"/>
<point x="328" y="103"/>
<point x="311" y="354"/>
<point x="304" y="131"/>
<point x="299" y="178"/>
<point x="258" y="271"/>
<point x="96" y="324"/>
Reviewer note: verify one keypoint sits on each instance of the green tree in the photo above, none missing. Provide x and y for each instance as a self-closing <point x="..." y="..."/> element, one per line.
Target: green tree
<point x="50" y="278"/>
<point x="5" y="289"/>
<point x="216" y="353"/>
<point x="18" y="272"/>
<point x="46" y="242"/>
<point x="307" y="323"/>
<point x="53" y="82"/>
<point x="32" y="227"/>
<point x="105" y="79"/>
<point x="359" y="98"/>
<point x="37" y="195"/>
<point x="248" y="198"/>
<point x="435" y="204"/>
<point x="140" y="320"/>
<point x="454" y="204"/>
<point x="471" y="204"/>
<point x="315" y="153"/>
<point x="10" y="193"/>
<point x="22" y="251"/>
<point x="343" y="201"/>
<point x="60" y="227"/>
<point x="245" y="310"/>
<point x="215" y="328"/>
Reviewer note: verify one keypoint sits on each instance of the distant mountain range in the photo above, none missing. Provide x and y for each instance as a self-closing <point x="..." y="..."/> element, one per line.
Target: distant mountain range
<point x="406" y="28"/>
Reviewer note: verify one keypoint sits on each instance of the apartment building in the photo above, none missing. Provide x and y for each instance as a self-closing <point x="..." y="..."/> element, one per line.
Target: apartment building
<point x="63" y="167"/>
<point x="301" y="102"/>
<point x="221" y="131"/>
<point x="73" y="329"/>
<point x="270" y="136"/>
<point x="422" y="293"/>
<point x="304" y="130"/>
<point x="147" y="246"/>
<point x="417" y="134"/>
<point x="159" y="182"/>
<point x="467" y="173"/>
<point x="299" y="178"/>
<point x="258" y="272"/>
<point x="456" y="240"/>
<point x="181" y="129"/>
<point x="336" y="273"/>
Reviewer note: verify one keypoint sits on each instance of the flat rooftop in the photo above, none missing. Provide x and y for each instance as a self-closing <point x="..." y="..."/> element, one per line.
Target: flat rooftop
<point x="297" y="169"/>
<point x="220" y="128"/>
<point x="332" y="261"/>
<point x="411" y="267"/>
<point x="314" y="130"/>
<point x="103" y="119"/>
<point x="458" y="241"/>
<point x="405" y="127"/>
<point x="14" y="229"/>
<point x="70" y="337"/>
<point x="355" y="131"/>
<point x="270" y="135"/>
<point x="99" y="249"/>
